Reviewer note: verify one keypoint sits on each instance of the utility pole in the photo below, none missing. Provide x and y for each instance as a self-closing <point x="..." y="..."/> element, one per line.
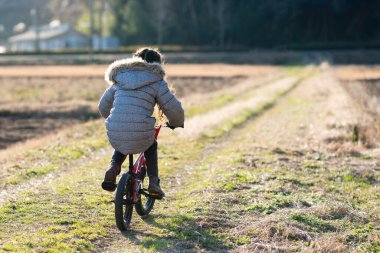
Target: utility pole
<point x="91" y="12"/>
<point x="33" y="13"/>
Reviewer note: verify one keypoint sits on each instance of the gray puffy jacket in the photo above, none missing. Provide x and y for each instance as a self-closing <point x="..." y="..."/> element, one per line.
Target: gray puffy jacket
<point x="128" y="104"/>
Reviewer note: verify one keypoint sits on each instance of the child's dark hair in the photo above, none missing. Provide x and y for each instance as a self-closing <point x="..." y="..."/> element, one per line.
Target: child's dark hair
<point x="149" y="55"/>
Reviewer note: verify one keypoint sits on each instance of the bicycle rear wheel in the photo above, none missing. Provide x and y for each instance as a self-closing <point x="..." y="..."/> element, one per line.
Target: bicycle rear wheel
<point x="123" y="202"/>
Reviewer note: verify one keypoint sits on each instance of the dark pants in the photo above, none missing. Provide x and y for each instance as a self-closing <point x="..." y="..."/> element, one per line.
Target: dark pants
<point x="150" y="156"/>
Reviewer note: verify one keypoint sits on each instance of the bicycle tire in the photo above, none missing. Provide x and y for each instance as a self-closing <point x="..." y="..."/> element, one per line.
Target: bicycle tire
<point x="144" y="208"/>
<point x="144" y="204"/>
<point x="123" y="202"/>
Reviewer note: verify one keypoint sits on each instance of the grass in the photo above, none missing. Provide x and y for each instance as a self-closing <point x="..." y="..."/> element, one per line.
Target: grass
<point x="69" y="220"/>
<point x="51" y="90"/>
<point x="313" y="223"/>
<point x="217" y="99"/>
<point x="249" y="114"/>
<point x="39" y="162"/>
<point x="213" y="103"/>
<point x="309" y="210"/>
<point x="74" y="213"/>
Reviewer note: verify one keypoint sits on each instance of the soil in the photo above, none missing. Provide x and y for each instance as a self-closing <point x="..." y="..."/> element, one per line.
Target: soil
<point x="23" y="123"/>
<point x="181" y="70"/>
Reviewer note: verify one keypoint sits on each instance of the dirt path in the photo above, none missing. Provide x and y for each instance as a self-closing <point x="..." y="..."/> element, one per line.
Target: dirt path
<point x="204" y="122"/>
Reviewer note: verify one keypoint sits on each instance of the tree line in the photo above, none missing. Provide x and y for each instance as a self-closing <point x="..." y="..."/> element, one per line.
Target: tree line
<point x="248" y="23"/>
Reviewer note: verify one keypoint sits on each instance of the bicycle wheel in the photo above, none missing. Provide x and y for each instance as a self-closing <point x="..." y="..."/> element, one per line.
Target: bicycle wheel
<point x="144" y="205"/>
<point x="123" y="202"/>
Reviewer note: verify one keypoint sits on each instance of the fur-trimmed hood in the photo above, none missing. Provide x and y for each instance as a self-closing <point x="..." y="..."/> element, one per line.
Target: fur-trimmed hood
<point x="135" y="66"/>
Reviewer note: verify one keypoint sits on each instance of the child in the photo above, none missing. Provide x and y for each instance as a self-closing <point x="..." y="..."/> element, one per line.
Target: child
<point x="137" y="84"/>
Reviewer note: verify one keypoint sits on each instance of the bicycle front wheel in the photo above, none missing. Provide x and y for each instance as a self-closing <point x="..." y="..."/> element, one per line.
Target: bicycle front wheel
<point x="123" y="202"/>
<point x="144" y="205"/>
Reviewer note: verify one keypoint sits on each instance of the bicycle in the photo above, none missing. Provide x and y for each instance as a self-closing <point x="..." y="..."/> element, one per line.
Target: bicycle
<point x="130" y="191"/>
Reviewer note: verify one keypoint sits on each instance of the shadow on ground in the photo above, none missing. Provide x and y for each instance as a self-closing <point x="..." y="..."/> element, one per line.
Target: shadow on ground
<point x="181" y="234"/>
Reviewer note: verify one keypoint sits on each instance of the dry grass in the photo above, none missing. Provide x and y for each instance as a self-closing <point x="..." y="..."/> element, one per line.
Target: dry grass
<point x="50" y="90"/>
<point x="363" y="85"/>
<point x="60" y="89"/>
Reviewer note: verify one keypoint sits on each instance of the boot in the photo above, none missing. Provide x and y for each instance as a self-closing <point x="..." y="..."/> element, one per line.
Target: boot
<point x="154" y="188"/>
<point x="109" y="183"/>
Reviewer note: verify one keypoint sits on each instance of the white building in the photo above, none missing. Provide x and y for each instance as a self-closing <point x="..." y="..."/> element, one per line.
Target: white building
<point x="54" y="36"/>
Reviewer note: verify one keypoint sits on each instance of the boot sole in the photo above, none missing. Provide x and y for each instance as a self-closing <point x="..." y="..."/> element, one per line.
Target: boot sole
<point x="109" y="186"/>
<point x="156" y="195"/>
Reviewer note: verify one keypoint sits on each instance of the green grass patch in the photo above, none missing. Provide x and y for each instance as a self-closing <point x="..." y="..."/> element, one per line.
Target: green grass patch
<point x="359" y="235"/>
<point x="58" y="154"/>
<point x="213" y="103"/>
<point x="311" y="165"/>
<point x="243" y="117"/>
<point x="68" y="223"/>
<point x="271" y="206"/>
<point x="249" y="114"/>
<point x="237" y="180"/>
<point x="315" y="224"/>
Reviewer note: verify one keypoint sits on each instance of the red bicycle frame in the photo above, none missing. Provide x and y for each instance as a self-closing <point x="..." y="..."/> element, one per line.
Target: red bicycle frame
<point x="135" y="169"/>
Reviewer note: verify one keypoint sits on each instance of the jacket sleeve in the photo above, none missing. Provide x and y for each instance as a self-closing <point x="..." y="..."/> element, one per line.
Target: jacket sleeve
<point x="106" y="102"/>
<point x="170" y="105"/>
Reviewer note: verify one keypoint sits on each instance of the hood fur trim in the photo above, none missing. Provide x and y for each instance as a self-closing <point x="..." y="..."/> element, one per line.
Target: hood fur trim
<point x="135" y="63"/>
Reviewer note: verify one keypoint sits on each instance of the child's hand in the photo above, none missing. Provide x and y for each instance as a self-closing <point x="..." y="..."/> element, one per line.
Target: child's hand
<point x="169" y="126"/>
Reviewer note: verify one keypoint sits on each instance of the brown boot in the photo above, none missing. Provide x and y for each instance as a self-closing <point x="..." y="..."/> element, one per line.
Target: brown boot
<point x="109" y="183"/>
<point x="154" y="188"/>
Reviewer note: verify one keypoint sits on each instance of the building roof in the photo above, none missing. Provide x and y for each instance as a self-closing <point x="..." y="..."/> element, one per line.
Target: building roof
<point x="45" y="32"/>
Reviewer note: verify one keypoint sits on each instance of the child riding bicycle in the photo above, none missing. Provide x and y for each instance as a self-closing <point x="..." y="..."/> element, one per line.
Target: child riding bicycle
<point x="137" y="85"/>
